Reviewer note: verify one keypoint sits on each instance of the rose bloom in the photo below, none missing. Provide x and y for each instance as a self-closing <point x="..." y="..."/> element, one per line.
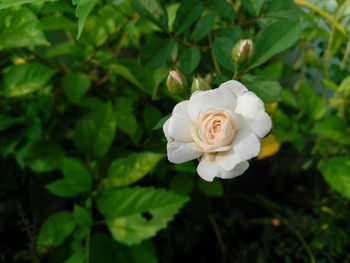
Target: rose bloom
<point x="221" y="127"/>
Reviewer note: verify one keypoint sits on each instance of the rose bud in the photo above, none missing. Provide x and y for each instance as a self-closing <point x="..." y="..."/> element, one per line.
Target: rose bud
<point x="242" y="52"/>
<point x="199" y="84"/>
<point x="176" y="82"/>
<point x="222" y="127"/>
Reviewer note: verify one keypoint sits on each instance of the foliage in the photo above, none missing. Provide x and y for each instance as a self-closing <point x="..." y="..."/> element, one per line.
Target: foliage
<point x="83" y="99"/>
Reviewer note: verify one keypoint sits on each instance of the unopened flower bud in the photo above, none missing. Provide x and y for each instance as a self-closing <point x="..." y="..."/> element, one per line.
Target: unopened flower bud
<point x="199" y="84"/>
<point x="176" y="82"/>
<point x="242" y="52"/>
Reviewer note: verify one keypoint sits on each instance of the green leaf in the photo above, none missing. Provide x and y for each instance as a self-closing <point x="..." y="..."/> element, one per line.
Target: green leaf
<point x="83" y="9"/>
<point x="55" y="229"/>
<point x="253" y="7"/>
<point x="106" y="250"/>
<point x="95" y="132"/>
<point x="7" y="121"/>
<point x="125" y="73"/>
<point x="211" y="188"/>
<point x="223" y="44"/>
<point x="310" y="103"/>
<point x="182" y="184"/>
<point x="26" y="78"/>
<point x="21" y="30"/>
<point x="189" y="59"/>
<point x="95" y="31"/>
<point x="276" y="38"/>
<point x="223" y="8"/>
<point x="334" y="128"/>
<point x="152" y="10"/>
<point x="82" y="216"/>
<point x="55" y="23"/>
<point x="62" y="188"/>
<point x="203" y="27"/>
<point x="126" y="120"/>
<point x="44" y="156"/>
<point x="188" y="12"/>
<point x="75" y="85"/>
<point x="268" y="90"/>
<point x="11" y="3"/>
<point x="150" y="115"/>
<point x="129" y="169"/>
<point x="336" y="172"/>
<point x="288" y="98"/>
<point x="77" y="257"/>
<point x="135" y="214"/>
<point x="156" y="52"/>
<point x="161" y="122"/>
<point x="76" y="175"/>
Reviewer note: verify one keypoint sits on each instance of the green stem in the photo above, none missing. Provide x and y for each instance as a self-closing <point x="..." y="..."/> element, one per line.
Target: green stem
<point x="216" y="65"/>
<point x="236" y="71"/>
<point x="326" y="58"/>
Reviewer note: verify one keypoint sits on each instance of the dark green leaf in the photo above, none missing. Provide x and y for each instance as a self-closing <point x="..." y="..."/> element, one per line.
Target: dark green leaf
<point x="223" y="9"/>
<point x="55" y="229"/>
<point x="76" y="175"/>
<point x="82" y="216"/>
<point x="126" y="120"/>
<point x="288" y="98"/>
<point x="44" y="156"/>
<point x="336" y="171"/>
<point x="77" y="257"/>
<point x="7" y="121"/>
<point x="83" y="9"/>
<point x="135" y="214"/>
<point x="253" y="7"/>
<point x="223" y="44"/>
<point x="150" y="117"/>
<point x="334" y="128"/>
<point x="55" y="23"/>
<point x="125" y="73"/>
<point x="11" y="3"/>
<point x="203" y="27"/>
<point x="189" y="59"/>
<point x="95" y="132"/>
<point x="127" y="170"/>
<point x="182" y="184"/>
<point x="156" y="52"/>
<point x="26" y="78"/>
<point x="268" y="90"/>
<point x="161" y="122"/>
<point x="105" y="249"/>
<point x="188" y="12"/>
<point x="62" y="188"/>
<point x="310" y="103"/>
<point x="152" y="10"/>
<point x="276" y="38"/>
<point x="211" y="188"/>
<point x="75" y="85"/>
<point x="21" y="30"/>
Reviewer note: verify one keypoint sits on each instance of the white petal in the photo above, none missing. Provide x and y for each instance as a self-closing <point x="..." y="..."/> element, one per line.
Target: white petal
<point x="181" y="108"/>
<point x="166" y="128"/>
<point x="181" y="152"/>
<point x="236" y="87"/>
<point x="260" y="124"/>
<point x="179" y="127"/>
<point x="249" y="104"/>
<point x="245" y="146"/>
<point x="208" y="169"/>
<point x="239" y="169"/>
<point x="220" y="98"/>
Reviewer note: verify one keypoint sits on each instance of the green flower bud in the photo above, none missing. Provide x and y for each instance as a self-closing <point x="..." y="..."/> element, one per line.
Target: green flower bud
<point x="242" y="52"/>
<point x="199" y="84"/>
<point x="176" y="82"/>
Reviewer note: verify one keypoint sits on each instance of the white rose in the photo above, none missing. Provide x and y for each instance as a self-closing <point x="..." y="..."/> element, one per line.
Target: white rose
<point x="222" y="127"/>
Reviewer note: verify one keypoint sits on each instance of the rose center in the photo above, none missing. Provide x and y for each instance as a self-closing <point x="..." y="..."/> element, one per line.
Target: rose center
<point x="215" y="130"/>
